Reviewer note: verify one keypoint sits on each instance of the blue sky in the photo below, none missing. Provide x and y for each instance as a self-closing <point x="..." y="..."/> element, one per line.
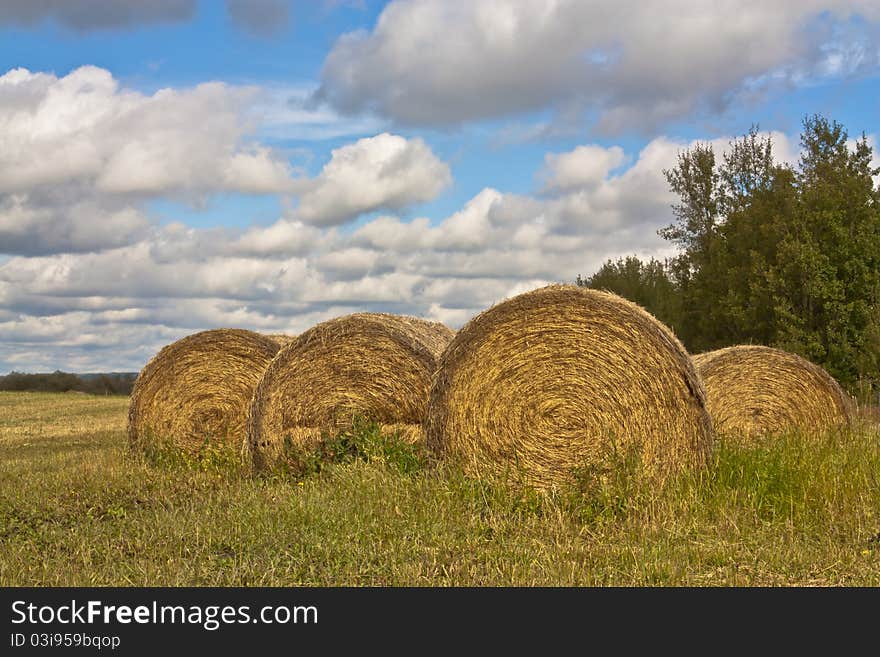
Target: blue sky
<point x="183" y="165"/>
<point x="210" y="46"/>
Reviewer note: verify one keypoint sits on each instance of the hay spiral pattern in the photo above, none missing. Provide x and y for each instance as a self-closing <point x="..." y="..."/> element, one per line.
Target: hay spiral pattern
<point x="374" y="366"/>
<point x="563" y="380"/>
<point x="196" y="391"/>
<point x="754" y="390"/>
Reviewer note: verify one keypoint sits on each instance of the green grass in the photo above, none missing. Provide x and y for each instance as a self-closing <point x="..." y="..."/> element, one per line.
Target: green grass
<point x="77" y="508"/>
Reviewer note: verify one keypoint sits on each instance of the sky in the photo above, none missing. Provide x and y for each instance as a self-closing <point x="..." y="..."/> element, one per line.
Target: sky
<point x="179" y="165"/>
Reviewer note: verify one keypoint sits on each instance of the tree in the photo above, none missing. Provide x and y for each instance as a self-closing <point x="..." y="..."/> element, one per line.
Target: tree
<point x="826" y="285"/>
<point x="781" y="256"/>
<point x="725" y="228"/>
<point x="645" y="283"/>
<point x="100" y="384"/>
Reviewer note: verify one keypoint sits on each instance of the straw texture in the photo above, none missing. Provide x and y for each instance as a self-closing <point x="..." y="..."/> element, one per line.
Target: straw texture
<point x="754" y="390"/>
<point x="565" y="380"/>
<point x="196" y="391"/>
<point x="281" y="339"/>
<point x="374" y="366"/>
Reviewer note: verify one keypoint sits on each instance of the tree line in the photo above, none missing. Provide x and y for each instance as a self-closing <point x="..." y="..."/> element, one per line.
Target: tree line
<point x="95" y="384"/>
<point x="770" y="253"/>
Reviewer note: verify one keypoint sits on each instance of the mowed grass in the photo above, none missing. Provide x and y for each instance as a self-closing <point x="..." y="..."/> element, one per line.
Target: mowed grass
<point x="77" y="508"/>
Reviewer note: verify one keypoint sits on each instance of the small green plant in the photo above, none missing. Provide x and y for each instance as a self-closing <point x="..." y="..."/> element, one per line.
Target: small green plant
<point x="609" y="487"/>
<point x="364" y="440"/>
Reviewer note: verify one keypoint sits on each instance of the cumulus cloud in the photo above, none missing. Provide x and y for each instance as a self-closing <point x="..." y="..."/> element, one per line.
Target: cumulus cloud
<point x="875" y="161"/>
<point x="83" y="128"/>
<point x="85" y="15"/>
<point x="63" y="310"/>
<point x="263" y="18"/>
<point x="585" y="166"/>
<point x="385" y="172"/>
<point x="79" y="156"/>
<point x="441" y="62"/>
<point x="37" y="224"/>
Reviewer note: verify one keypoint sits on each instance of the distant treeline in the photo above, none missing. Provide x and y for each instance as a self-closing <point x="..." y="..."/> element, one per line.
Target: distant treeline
<point x="115" y="383"/>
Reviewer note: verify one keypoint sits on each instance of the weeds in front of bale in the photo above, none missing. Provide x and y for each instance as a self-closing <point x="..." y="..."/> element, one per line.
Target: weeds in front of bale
<point x="601" y="491"/>
<point x="792" y="479"/>
<point x="811" y="482"/>
<point x="364" y="441"/>
<point x="770" y="478"/>
<point x="607" y="489"/>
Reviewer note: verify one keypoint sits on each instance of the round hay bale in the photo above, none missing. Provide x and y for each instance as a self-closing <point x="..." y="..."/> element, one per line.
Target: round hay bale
<point x="372" y="366"/>
<point x="196" y="391"/>
<point x="563" y="383"/>
<point x="281" y="339"/>
<point x="754" y="390"/>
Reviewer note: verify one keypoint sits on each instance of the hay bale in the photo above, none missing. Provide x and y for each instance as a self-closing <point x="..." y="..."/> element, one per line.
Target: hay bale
<point x="754" y="390"/>
<point x="281" y="339"/>
<point x="373" y="366"/>
<point x="196" y="391"/>
<point x="562" y="381"/>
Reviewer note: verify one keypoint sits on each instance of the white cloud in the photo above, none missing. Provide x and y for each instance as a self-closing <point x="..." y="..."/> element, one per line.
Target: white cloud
<point x="353" y="263"/>
<point x="583" y="167"/>
<point x="389" y="233"/>
<point x="80" y="156"/>
<point x="39" y="224"/>
<point x="440" y="62"/>
<point x="282" y="238"/>
<point x="112" y="309"/>
<point x="385" y="172"/>
<point x="875" y="159"/>
<point x="82" y="128"/>
<point x="470" y="228"/>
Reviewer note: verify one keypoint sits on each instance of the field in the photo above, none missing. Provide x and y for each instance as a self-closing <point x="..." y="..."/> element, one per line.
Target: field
<point x="77" y="508"/>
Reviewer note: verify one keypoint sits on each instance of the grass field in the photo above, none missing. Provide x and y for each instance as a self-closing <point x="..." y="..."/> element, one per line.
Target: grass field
<point x="76" y="508"/>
